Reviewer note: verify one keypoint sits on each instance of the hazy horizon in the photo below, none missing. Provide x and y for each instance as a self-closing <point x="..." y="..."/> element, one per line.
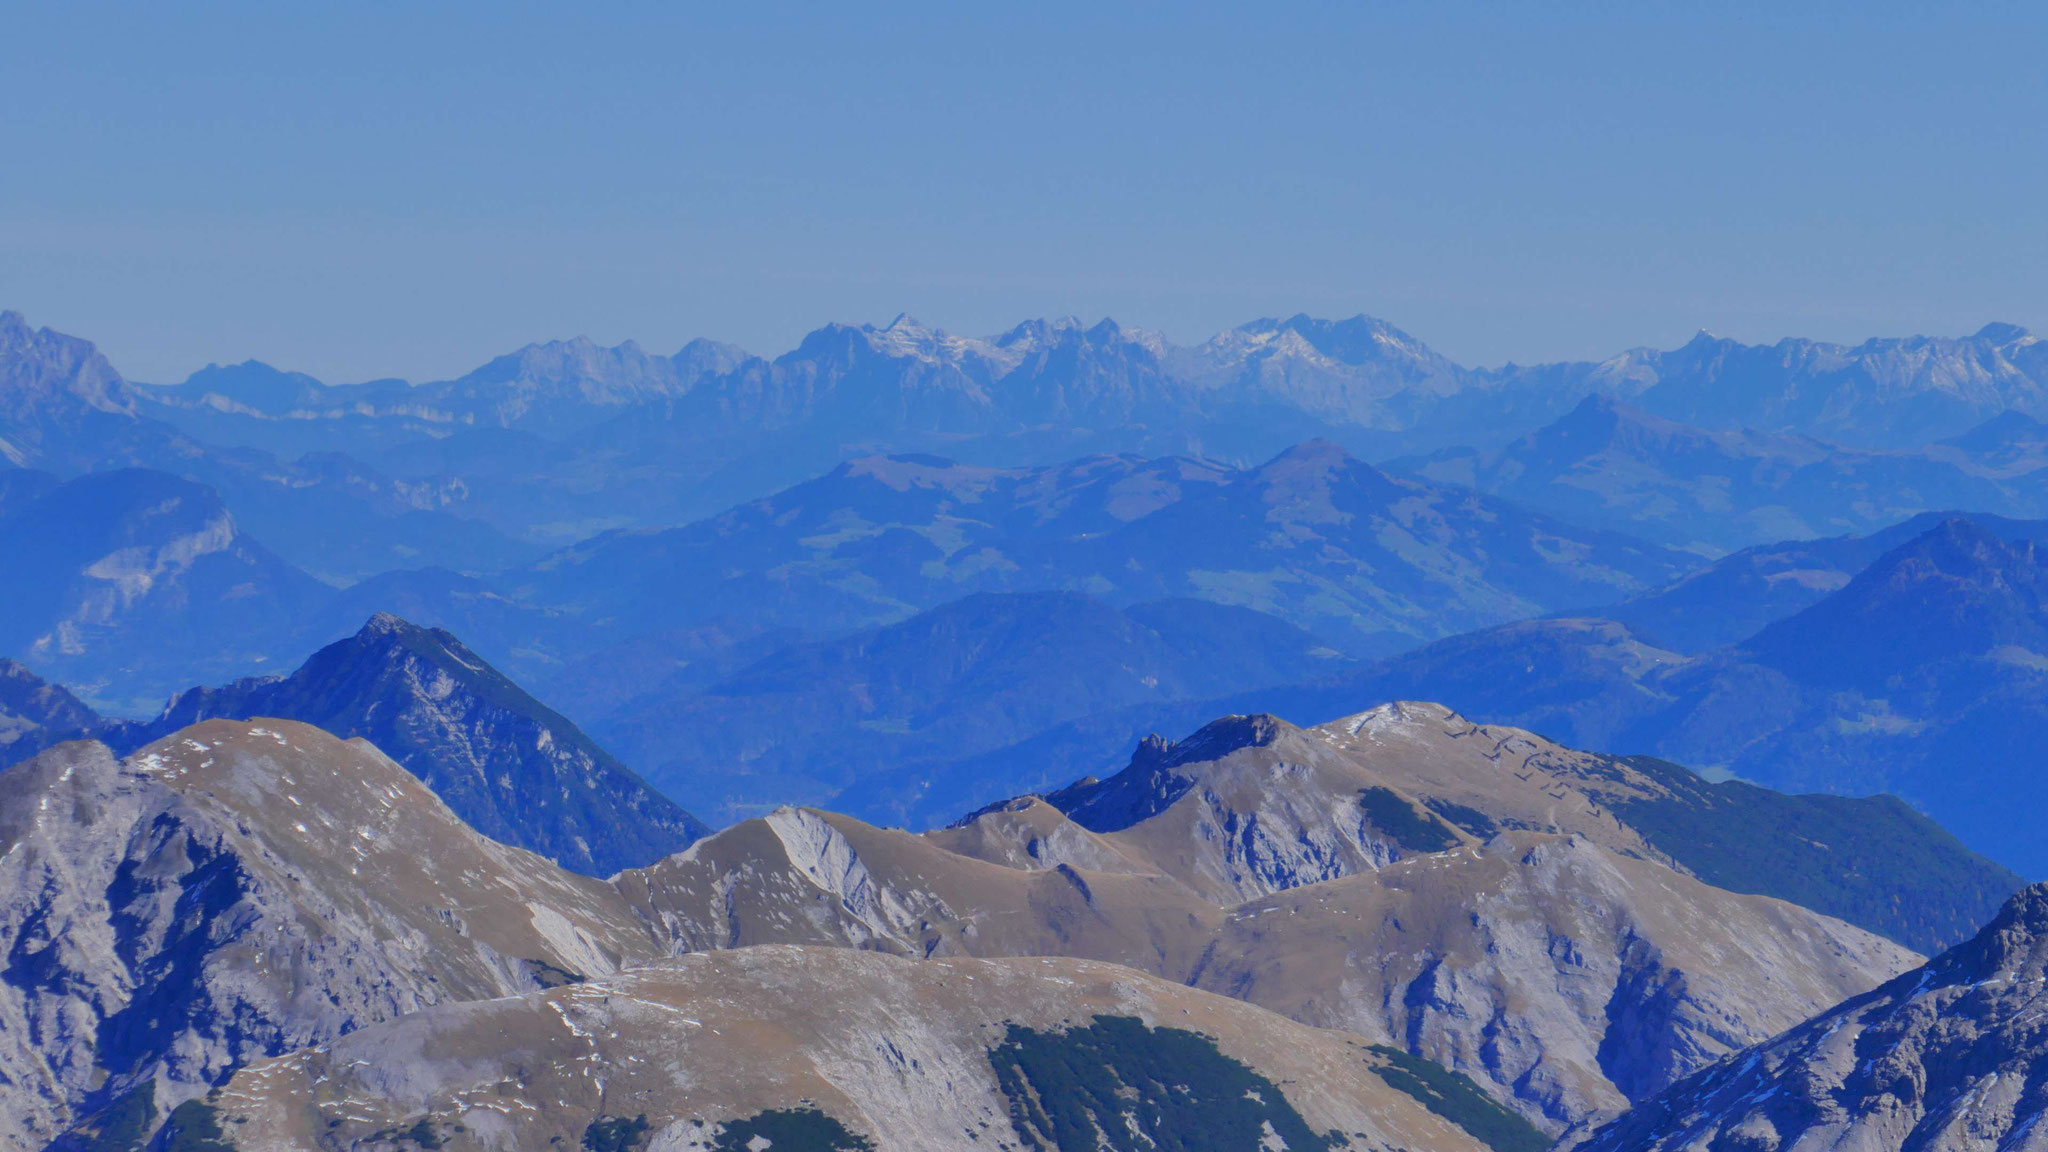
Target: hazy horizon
<point x="407" y="193"/>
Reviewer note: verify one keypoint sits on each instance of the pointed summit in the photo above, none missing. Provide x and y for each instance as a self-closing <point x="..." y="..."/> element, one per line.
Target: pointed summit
<point x="511" y="767"/>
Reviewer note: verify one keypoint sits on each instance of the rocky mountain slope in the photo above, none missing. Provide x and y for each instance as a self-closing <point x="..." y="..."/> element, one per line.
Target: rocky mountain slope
<point x="35" y="714"/>
<point x="1950" y="1056"/>
<point x="1175" y="870"/>
<point x="240" y="836"/>
<point x="507" y="764"/>
<point x="763" y="1048"/>
<point x="240" y="890"/>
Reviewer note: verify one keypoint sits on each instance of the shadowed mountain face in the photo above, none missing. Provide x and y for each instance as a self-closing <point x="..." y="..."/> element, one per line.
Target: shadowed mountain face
<point x="1613" y="466"/>
<point x="35" y="714"/>
<point x="1734" y="597"/>
<point x="505" y="763"/>
<point x="1949" y="1056"/>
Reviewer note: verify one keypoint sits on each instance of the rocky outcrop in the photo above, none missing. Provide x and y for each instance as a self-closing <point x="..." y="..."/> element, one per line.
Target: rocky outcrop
<point x="1951" y="1057"/>
<point x="239" y="890"/>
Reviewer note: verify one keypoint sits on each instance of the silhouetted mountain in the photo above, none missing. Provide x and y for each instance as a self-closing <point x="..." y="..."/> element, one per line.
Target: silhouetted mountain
<point x="508" y="765"/>
<point x="860" y="722"/>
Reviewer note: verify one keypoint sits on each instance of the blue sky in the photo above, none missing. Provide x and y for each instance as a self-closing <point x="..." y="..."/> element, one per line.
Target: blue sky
<point x="389" y="191"/>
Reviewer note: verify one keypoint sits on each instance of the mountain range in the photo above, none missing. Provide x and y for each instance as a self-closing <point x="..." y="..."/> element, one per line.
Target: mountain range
<point x="1617" y="467"/>
<point x="1917" y="676"/>
<point x="277" y="888"/>
<point x="1739" y="649"/>
<point x="561" y="439"/>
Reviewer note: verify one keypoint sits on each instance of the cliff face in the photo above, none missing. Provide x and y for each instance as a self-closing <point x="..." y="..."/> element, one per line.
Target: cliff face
<point x="240" y="890"/>
<point x="1952" y="1056"/>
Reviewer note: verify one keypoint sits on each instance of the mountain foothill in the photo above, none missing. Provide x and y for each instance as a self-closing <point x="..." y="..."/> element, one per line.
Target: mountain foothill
<point x="1065" y="739"/>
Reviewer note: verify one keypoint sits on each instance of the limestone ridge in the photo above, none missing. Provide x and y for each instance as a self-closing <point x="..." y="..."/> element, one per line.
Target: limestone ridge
<point x="1953" y="1055"/>
<point x="508" y="765"/>
<point x="698" y="1053"/>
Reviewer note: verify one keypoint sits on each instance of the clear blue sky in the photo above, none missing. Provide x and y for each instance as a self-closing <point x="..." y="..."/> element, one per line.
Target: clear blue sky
<point x="363" y="190"/>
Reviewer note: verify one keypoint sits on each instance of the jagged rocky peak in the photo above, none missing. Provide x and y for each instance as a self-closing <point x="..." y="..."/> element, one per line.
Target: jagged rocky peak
<point x="1953" y="1055"/>
<point x="2013" y="947"/>
<point x="39" y="367"/>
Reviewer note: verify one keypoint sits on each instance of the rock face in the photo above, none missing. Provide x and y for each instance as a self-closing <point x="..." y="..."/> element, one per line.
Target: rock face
<point x="766" y="1047"/>
<point x="508" y="765"/>
<point x="1463" y="893"/>
<point x="241" y="890"/>
<point x="276" y="887"/>
<point x="1951" y="1057"/>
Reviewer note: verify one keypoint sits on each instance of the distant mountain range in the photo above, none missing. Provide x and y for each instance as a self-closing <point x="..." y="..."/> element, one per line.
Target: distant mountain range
<point x="1613" y="466"/>
<point x="1920" y="675"/>
<point x="562" y="439"/>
